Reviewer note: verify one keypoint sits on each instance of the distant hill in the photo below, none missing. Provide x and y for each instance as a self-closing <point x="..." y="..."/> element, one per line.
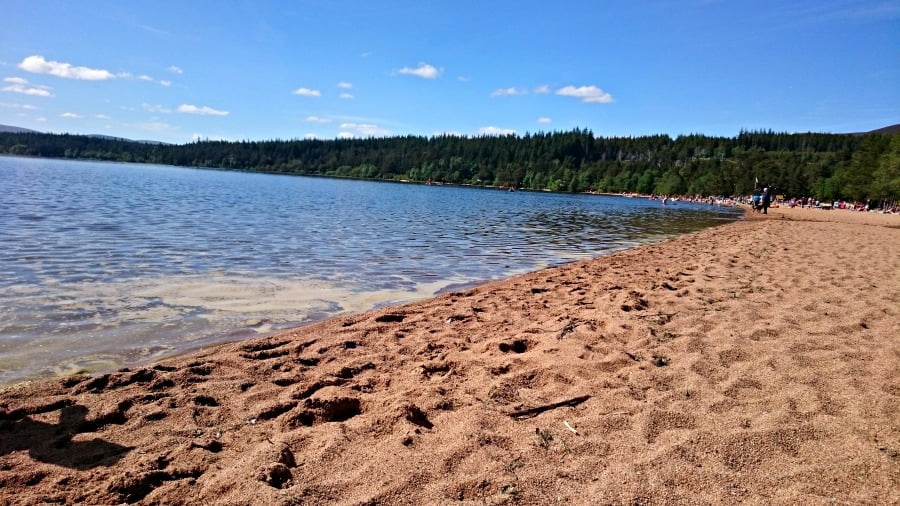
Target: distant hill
<point x="19" y="130"/>
<point x="16" y="130"/>
<point x="889" y="130"/>
<point x="113" y="138"/>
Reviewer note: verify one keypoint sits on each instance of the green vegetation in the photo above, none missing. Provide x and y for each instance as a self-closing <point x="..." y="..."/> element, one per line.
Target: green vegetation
<point x="824" y="166"/>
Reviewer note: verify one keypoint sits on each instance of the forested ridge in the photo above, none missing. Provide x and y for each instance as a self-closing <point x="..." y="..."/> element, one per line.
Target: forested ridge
<point x="823" y="166"/>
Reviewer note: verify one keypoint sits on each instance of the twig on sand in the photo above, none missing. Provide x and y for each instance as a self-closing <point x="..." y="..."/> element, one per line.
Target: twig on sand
<point x="566" y="423"/>
<point x="667" y="316"/>
<point x="521" y="414"/>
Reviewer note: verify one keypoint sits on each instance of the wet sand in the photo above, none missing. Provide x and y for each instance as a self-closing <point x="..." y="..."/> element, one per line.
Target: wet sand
<point x="756" y="362"/>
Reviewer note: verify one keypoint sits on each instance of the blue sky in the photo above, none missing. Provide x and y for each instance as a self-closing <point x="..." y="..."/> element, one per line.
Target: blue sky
<point x="249" y="70"/>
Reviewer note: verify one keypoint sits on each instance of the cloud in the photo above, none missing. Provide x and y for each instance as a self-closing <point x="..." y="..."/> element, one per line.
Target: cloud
<point x="365" y="129"/>
<point x="542" y="89"/>
<point x="175" y="70"/>
<point x="317" y="119"/>
<point x="346" y="135"/>
<point x="41" y="119"/>
<point x="508" y="92"/>
<point x="543" y="120"/>
<point x="493" y="131"/>
<point x="424" y="70"/>
<point x="142" y="77"/>
<point x="344" y="85"/>
<point x="346" y="96"/>
<point x="153" y="126"/>
<point x="27" y="107"/>
<point x="588" y="94"/>
<point x="202" y="111"/>
<point x="19" y="85"/>
<point x="156" y="108"/>
<point x="307" y="92"/>
<point x="70" y="115"/>
<point x="102" y="116"/>
<point x="38" y="65"/>
<point x="310" y="136"/>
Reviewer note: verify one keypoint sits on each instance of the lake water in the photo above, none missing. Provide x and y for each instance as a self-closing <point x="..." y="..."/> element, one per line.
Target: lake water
<point x="104" y="265"/>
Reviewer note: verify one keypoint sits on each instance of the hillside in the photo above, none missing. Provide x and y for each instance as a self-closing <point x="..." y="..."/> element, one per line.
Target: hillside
<point x="16" y="130"/>
<point x="826" y="167"/>
<point x="888" y="130"/>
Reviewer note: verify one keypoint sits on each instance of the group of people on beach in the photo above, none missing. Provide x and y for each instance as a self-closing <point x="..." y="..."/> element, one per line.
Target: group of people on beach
<point x="762" y="199"/>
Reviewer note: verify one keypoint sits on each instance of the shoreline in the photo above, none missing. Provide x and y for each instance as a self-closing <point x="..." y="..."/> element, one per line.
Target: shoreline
<point x="127" y="313"/>
<point x="701" y="368"/>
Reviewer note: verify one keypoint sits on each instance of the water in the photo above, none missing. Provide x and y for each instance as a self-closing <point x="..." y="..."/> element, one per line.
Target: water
<point x="104" y="265"/>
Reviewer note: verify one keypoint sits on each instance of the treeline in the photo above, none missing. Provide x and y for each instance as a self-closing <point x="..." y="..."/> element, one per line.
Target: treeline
<point x="824" y="166"/>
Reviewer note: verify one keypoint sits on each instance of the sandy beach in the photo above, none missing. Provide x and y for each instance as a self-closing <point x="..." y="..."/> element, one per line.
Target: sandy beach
<point x="756" y="362"/>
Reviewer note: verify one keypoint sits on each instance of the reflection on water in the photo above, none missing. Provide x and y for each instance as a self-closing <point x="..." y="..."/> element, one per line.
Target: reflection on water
<point x="109" y="264"/>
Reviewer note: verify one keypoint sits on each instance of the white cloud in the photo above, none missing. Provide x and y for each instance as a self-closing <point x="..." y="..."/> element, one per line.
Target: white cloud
<point x="365" y="129"/>
<point x="317" y="119"/>
<point x="202" y="111"/>
<point x="492" y="130"/>
<point x="463" y="79"/>
<point x="38" y="65"/>
<point x="166" y="83"/>
<point x="544" y="120"/>
<point x="27" y="107"/>
<point x="153" y="126"/>
<point x="310" y="136"/>
<point x="542" y="89"/>
<point x="145" y="77"/>
<point x="102" y="116"/>
<point x="124" y="75"/>
<point x="156" y="108"/>
<point x="307" y="92"/>
<point x="424" y="70"/>
<point x="19" y="85"/>
<point x="508" y="92"/>
<point x="346" y="135"/>
<point x="41" y="119"/>
<point x="344" y="85"/>
<point x="70" y="115"/>
<point x="346" y="96"/>
<point x="175" y="70"/>
<point x="589" y="94"/>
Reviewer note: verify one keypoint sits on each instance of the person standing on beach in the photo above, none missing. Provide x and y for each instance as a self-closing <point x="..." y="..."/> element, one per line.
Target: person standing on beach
<point x="766" y="199"/>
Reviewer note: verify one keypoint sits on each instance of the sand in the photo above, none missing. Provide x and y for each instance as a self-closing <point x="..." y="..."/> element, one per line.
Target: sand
<point x="756" y="362"/>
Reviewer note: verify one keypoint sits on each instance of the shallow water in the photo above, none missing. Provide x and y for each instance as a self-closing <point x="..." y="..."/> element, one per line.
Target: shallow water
<point x="104" y="264"/>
